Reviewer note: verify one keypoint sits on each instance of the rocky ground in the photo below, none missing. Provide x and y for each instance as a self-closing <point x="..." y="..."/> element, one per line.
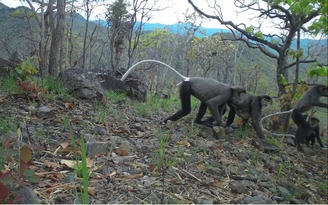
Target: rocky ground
<point x="134" y="159"/>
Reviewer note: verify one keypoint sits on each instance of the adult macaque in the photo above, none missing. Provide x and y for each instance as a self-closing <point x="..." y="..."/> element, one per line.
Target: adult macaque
<point x="249" y="108"/>
<point x="210" y="92"/>
<point x="306" y="102"/>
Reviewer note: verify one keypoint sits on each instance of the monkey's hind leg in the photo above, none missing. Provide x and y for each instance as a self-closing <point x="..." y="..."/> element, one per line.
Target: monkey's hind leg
<point x="302" y="129"/>
<point x="185" y="98"/>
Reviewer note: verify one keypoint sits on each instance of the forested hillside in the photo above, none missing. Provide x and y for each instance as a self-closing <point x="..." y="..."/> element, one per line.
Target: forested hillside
<point x="19" y="34"/>
<point x="73" y="129"/>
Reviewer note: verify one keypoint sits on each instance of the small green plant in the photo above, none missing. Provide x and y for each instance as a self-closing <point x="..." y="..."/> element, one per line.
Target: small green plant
<point x="10" y="85"/>
<point x="163" y="161"/>
<point x="27" y="68"/>
<point x="273" y="141"/>
<point x="7" y="124"/>
<point x="243" y="133"/>
<point x="207" y="167"/>
<point x="55" y="88"/>
<point x="85" y="196"/>
<point x="254" y="158"/>
<point x="142" y="110"/>
<point x="101" y="111"/>
<point x="281" y="167"/>
<point x="157" y="103"/>
<point x="323" y="186"/>
<point x="116" y="97"/>
<point x="65" y="123"/>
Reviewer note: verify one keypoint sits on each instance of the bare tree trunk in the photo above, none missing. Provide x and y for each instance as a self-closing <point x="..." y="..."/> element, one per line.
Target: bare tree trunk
<point x="56" y="37"/>
<point x="286" y="124"/>
<point x="85" y="33"/>
<point x="42" y="54"/>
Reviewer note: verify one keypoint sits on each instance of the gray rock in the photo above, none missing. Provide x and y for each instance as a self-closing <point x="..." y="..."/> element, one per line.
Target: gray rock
<point x="30" y="197"/>
<point x="133" y="86"/>
<point x="89" y="137"/>
<point x="218" y="132"/>
<point x="254" y="200"/>
<point x="205" y="201"/>
<point x="238" y="187"/>
<point x="70" y="177"/>
<point x="264" y="146"/>
<point x="100" y="130"/>
<point x="147" y="181"/>
<point x="82" y="84"/>
<point x="116" y="139"/>
<point x="125" y="145"/>
<point x="95" y="148"/>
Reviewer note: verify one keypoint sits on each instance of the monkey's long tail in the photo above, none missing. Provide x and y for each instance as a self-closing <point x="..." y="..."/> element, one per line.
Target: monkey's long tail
<point x="184" y="78"/>
<point x="278" y="113"/>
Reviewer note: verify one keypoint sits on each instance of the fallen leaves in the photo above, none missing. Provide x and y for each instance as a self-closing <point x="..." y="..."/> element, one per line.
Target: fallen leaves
<point x="184" y="143"/>
<point x="121" y="152"/>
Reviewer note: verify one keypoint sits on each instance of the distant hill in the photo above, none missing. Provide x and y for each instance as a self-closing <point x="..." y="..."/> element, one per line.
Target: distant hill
<point x="174" y="28"/>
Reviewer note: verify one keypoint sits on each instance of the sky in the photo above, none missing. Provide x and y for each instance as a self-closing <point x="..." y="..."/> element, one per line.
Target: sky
<point x="173" y="14"/>
<point x="168" y="16"/>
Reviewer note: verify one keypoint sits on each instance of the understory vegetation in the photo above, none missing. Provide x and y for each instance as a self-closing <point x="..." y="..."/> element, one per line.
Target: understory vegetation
<point x="166" y="156"/>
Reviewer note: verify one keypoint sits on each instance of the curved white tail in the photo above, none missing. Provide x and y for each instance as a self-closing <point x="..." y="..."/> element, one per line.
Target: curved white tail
<point x="184" y="78"/>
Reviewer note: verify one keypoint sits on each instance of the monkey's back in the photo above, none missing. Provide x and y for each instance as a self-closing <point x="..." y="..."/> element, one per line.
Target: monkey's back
<point x="207" y="88"/>
<point x="305" y="102"/>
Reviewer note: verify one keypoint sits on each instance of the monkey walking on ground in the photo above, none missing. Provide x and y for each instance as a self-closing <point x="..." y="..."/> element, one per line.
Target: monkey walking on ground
<point x="249" y="107"/>
<point x="210" y="92"/>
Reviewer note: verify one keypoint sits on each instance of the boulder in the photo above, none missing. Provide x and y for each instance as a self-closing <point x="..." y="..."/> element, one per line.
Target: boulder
<point x="83" y="84"/>
<point x="133" y="86"/>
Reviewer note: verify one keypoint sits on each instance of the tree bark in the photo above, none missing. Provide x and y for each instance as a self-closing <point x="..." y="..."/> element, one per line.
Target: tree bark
<point x="57" y="33"/>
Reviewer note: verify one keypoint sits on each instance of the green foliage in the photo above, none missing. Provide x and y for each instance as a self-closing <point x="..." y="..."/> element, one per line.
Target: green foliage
<point x="101" y="112"/>
<point x="142" y="109"/>
<point x="116" y="97"/>
<point x="10" y="85"/>
<point x="316" y="70"/>
<point x="296" y="53"/>
<point x="259" y="35"/>
<point x="249" y="29"/>
<point x="157" y="103"/>
<point x="323" y="186"/>
<point x="281" y="167"/>
<point x="243" y="133"/>
<point x="7" y="124"/>
<point x="287" y="96"/>
<point x="307" y="8"/>
<point x="283" y="80"/>
<point x="55" y="88"/>
<point x="27" y="69"/>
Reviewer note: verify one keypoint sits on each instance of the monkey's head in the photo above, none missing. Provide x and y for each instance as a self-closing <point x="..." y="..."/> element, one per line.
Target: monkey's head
<point x="323" y="89"/>
<point x="238" y="92"/>
<point x="314" y="122"/>
<point x="265" y="100"/>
